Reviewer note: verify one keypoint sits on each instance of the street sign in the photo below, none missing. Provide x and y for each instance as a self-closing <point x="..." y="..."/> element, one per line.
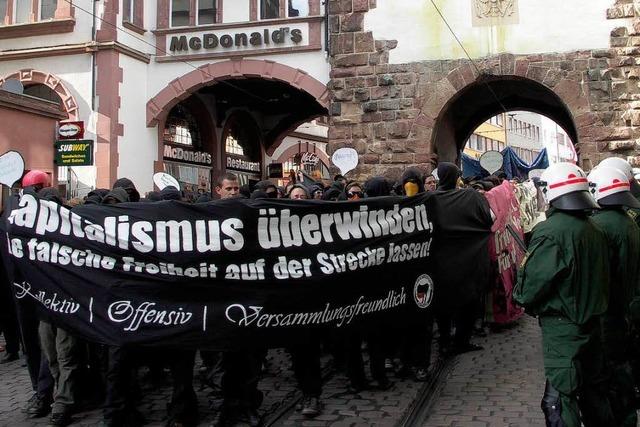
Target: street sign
<point x="491" y="161"/>
<point x="71" y="130"/>
<point x="275" y="170"/>
<point x="74" y="153"/>
<point x="11" y="168"/>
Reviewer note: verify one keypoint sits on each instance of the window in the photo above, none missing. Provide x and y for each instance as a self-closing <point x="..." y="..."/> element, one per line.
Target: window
<point x="180" y="13"/>
<point x="181" y="128"/>
<point x="480" y="143"/>
<point x="128" y="8"/>
<point x="269" y="9"/>
<point x="22" y="10"/>
<point x="3" y="11"/>
<point x="48" y="9"/>
<point x="298" y="8"/>
<point x="499" y="120"/>
<point x="232" y="146"/>
<point x="206" y="12"/>
<point x="473" y="142"/>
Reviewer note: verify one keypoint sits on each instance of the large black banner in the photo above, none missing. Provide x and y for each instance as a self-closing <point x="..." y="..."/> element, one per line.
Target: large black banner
<point x="238" y="272"/>
<point x="228" y="272"/>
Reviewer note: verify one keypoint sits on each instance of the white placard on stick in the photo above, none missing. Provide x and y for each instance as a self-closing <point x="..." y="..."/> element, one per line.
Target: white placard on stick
<point x="491" y="161"/>
<point x="346" y="159"/>
<point x="163" y="180"/>
<point x="11" y="168"/>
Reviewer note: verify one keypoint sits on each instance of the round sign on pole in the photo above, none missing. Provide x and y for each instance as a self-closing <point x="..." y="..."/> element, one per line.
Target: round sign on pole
<point x="346" y="159"/>
<point x="11" y="168"/>
<point x="163" y="180"/>
<point x="491" y="161"/>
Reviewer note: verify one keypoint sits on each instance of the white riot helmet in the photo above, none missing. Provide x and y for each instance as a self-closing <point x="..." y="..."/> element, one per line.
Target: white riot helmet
<point x="625" y="167"/>
<point x="611" y="187"/>
<point x="565" y="186"/>
<point x="617" y="163"/>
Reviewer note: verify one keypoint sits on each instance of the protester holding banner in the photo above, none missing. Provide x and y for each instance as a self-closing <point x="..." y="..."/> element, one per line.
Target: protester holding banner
<point x="306" y="352"/>
<point x="505" y="254"/>
<point x="39" y="405"/>
<point x="61" y="350"/>
<point x="565" y="282"/>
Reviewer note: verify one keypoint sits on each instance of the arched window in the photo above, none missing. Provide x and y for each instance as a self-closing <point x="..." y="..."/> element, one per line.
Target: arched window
<point x="181" y="128"/>
<point x="242" y="137"/>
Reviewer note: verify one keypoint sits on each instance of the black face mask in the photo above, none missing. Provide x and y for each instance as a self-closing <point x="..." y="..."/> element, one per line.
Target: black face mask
<point x="272" y="194"/>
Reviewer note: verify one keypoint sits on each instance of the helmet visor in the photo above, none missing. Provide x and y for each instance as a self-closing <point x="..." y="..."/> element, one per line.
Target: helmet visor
<point x="576" y="201"/>
<point x="624" y="198"/>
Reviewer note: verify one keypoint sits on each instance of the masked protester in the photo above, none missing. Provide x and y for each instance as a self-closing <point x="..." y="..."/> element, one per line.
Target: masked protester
<point x="267" y="187"/>
<point x="611" y="190"/>
<point x="61" y="351"/>
<point x="564" y="280"/>
<point x="412" y="182"/>
<point x="468" y="289"/>
<point x="129" y="187"/>
<point x="449" y="174"/>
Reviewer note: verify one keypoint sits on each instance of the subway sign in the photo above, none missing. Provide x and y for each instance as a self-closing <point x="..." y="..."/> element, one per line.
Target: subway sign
<point x="74" y="153"/>
<point x="256" y="38"/>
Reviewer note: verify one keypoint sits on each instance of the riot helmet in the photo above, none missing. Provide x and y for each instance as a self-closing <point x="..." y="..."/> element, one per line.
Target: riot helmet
<point x="565" y="187"/>
<point x="611" y="187"/>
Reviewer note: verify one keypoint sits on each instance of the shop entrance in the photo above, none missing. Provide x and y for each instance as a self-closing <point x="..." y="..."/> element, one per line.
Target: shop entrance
<point x="229" y="123"/>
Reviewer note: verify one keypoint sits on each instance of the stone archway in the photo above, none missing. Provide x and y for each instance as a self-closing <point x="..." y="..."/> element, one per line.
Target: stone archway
<point x="208" y="74"/>
<point x="463" y="98"/>
<point x="30" y="76"/>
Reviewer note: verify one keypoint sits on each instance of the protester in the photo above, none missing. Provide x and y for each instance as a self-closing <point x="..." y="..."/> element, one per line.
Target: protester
<point x="227" y="186"/>
<point x="353" y="191"/>
<point x="95" y="196"/>
<point x="305" y="353"/>
<point x="267" y="187"/>
<point x="468" y="290"/>
<point x="611" y="190"/>
<point x="61" y="350"/>
<point x="39" y="405"/>
<point x="430" y="183"/>
<point x="378" y="341"/>
<point x="565" y="283"/>
<point x="129" y="187"/>
<point x="299" y="192"/>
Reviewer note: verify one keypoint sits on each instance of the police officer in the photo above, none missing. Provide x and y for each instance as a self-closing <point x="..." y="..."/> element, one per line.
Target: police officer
<point x="611" y="189"/>
<point x="564" y="280"/>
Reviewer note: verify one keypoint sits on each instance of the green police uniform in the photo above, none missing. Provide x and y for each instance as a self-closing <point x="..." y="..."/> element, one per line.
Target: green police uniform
<point x="564" y="281"/>
<point x="623" y="236"/>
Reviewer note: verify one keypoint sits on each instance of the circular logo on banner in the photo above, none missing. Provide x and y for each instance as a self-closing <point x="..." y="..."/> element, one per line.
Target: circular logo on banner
<point x="423" y="291"/>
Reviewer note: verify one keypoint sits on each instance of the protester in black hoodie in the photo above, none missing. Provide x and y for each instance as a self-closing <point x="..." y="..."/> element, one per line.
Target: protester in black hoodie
<point x="129" y="187"/>
<point x="378" y="341"/>
<point x="465" y="292"/>
<point x="448" y="174"/>
<point x="412" y="182"/>
<point x="95" y="196"/>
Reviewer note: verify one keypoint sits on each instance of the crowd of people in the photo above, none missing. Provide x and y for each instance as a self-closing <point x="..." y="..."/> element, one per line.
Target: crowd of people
<point x="580" y="278"/>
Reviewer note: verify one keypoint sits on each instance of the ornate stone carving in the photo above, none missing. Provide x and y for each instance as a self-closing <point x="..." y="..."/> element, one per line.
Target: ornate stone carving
<point x="495" y="12"/>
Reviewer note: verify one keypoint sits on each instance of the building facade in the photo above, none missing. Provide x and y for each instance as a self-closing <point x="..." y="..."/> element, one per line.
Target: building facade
<point x="190" y="87"/>
<point x="198" y="87"/>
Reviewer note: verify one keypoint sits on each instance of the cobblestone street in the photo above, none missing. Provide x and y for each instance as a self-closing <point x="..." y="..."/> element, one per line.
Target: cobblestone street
<point x="498" y="387"/>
